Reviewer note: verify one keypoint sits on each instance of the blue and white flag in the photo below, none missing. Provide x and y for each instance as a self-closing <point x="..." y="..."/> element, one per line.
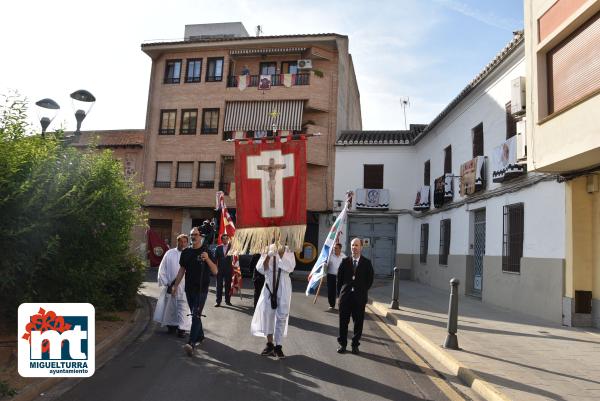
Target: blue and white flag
<point x="320" y="268"/>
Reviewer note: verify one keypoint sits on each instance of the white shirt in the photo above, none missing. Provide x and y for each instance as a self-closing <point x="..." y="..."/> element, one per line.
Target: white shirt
<point x="334" y="263"/>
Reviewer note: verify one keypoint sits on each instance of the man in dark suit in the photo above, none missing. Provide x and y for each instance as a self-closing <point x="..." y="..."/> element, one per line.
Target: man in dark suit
<point x="355" y="277"/>
<point x="225" y="271"/>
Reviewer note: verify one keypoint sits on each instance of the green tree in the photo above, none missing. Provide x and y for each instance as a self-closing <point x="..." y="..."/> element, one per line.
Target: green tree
<point x="65" y="220"/>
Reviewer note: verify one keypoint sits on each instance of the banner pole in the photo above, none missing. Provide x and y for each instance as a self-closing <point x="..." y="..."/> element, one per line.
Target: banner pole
<point x="318" y="289"/>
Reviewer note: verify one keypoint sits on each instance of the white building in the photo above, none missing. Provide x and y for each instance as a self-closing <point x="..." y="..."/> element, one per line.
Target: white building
<point x="504" y="240"/>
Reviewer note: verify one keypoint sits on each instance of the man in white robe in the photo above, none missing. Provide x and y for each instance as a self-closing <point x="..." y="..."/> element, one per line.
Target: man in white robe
<point x="172" y="311"/>
<point x="276" y="265"/>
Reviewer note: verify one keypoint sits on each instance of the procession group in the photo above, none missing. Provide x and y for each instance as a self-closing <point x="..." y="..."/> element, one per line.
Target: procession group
<point x="185" y="272"/>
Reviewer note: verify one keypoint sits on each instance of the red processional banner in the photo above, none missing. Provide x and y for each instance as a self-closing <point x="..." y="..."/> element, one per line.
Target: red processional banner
<point x="270" y="179"/>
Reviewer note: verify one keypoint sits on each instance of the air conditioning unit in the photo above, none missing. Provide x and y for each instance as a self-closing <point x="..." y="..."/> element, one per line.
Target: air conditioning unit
<point x="304" y="64"/>
<point x="521" y="141"/>
<point x="517" y="96"/>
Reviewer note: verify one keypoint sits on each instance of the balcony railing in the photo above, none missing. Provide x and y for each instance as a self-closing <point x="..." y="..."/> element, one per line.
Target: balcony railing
<point x="162" y="184"/>
<point x="276" y="80"/>
<point x="205" y="184"/>
<point x="183" y="184"/>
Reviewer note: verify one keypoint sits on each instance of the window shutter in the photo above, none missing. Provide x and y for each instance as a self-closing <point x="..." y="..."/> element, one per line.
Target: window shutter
<point x="163" y="172"/>
<point x="185" y="172"/>
<point x="207" y="172"/>
<point x="373" y="176"/>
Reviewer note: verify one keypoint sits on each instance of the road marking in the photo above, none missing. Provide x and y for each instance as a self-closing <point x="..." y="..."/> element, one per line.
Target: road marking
<point x="433" y="375"/>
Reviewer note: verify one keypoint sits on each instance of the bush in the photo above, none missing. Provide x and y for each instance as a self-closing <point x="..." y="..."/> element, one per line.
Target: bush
<point x="65" y="220"/>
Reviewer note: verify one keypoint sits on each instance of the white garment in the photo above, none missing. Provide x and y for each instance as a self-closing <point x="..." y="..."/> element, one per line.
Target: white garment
<point x="267" y="320"/>
<point x="171" y="311"/>
<point x="334" y="263"/>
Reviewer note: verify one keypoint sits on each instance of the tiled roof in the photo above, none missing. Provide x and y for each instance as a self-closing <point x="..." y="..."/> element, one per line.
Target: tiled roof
<point x="404" y="137"/>
<point x="112" y="138"/>
<point x="240" y="38"/>
<point x="517" y="40"/>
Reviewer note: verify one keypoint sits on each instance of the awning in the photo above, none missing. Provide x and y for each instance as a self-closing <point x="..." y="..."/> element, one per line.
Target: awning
<point x="261" y="115"/>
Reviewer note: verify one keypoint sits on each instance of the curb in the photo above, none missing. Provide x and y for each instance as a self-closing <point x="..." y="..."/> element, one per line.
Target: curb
<point x="466" y="375"/>
<point x="140" y="319"/>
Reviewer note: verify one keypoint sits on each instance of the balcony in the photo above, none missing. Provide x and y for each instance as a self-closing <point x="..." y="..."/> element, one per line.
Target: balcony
<point x="370" y="198"/>
<point x="183" y="184"/>
<point x="162" y="184"/>
<point x="276" y="80"/>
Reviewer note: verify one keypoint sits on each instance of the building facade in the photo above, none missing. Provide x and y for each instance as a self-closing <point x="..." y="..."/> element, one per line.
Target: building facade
<point x="457" y="200"/>
<point x="563" y="135"/>
<point x="218" y="84"/>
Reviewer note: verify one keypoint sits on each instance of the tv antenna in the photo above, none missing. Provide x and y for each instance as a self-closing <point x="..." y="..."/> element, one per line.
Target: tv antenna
<point x="258" y="30"/>
<point x="404" y="103"/>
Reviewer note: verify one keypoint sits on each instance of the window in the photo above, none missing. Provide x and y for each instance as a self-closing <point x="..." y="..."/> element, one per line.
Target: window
<point x="511" y="123"/>
<point x="210" y="121"/>
<point x="424" y="242"/>
<point x="163" y="175"/>
<point x="444" y="241"/>
<point x="172" y="71"/>
<point x="373" y="176"/>
<point x="427" y="173"/>
<point x="214" y="69"/>
<point x="573" y="72"/>
<point x="184" y="174"/>
<point x="448" y="160"/>
<point x="268" y="68"/>
<point x="194" y="66"/>
<point x="512" y="238"/>
<point x="477" y="134"/>
<point x="188" y="122"/>
<point x="289" y="67"/>
<point x="206" y="174"/>
<point x="167" y="122"/>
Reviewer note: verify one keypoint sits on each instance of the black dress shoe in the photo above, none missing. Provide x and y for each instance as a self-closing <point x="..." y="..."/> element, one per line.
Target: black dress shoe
<point x="228" y="303"/>
<point x="180" y="333"/>
<point x="217" y="304"/>
<point x="341" y="349"/>
<point x="355" y="350"/>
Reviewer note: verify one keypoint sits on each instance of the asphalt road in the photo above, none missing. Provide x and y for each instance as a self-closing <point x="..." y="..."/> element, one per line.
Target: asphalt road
<point x="227" y="366"/>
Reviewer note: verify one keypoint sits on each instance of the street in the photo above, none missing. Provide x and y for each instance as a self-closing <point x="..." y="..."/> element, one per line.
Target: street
<point x="227" y="366"/>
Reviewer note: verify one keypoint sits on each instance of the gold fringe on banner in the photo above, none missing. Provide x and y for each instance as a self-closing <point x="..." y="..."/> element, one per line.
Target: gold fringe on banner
<point x="256" y="240"/>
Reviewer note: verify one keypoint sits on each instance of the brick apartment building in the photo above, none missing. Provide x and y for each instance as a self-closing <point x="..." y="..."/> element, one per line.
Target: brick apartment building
<point x="210" y="87"/>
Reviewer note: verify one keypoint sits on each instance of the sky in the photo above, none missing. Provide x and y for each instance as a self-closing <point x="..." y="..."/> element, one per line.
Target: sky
<point x="425" y="51"/>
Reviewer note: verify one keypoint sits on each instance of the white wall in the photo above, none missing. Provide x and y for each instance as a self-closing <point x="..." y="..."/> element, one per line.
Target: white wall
<point x="403" y="174"/>
<point x="397" y="170"/>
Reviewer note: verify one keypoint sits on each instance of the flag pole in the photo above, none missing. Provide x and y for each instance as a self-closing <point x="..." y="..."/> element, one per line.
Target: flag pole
<point x="349" y="195"/>
<point x="318" y="289"/>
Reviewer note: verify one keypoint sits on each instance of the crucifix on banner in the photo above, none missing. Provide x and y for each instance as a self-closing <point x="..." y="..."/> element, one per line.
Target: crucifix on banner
<point x="271" y="167"/>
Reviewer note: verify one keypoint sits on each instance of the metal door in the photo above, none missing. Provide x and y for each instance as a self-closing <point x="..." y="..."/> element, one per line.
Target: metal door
<point x="479" y="250"/>
<point x="380" y="233"/>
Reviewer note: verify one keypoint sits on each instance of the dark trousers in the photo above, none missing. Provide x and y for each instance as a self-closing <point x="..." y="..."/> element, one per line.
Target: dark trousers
<point x="258" y="285"/>
<point x="223" y="277"/>
<point x="196" y="301"/>
<point x="331" y="289"/>
<point x="351" y="307"/>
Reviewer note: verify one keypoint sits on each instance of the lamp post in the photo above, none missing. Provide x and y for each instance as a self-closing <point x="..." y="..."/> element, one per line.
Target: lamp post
<point x="47" y="110"/>
<point x="82" y="101"/>
<point x="82" y="104"/>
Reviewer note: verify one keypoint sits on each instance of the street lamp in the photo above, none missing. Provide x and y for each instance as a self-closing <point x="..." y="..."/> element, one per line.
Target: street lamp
<point x="47" y="110"/>
<point x="82" y="104"/>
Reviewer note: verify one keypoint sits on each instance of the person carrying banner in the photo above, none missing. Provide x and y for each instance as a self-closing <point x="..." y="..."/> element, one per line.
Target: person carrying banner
<point x="224" y="265"/>
<point x="172" y="310"/>
<point x="355" y="277"/>
<point x="333" y="266"/>
<point x="272" y="311"/>
<point x="197" y="266"/>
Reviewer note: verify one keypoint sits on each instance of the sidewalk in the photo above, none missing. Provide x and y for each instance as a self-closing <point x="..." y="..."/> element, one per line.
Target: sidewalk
<point x="516" y="356"/>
